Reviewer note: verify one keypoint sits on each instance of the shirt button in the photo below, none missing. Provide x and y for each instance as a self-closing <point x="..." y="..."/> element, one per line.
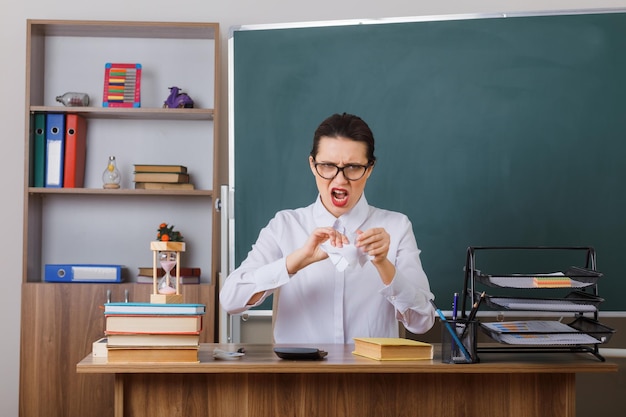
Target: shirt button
<point x="392" y="298"/>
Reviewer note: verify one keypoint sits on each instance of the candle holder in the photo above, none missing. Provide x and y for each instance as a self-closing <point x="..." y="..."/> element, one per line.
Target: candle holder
<point x="167" y="255"/>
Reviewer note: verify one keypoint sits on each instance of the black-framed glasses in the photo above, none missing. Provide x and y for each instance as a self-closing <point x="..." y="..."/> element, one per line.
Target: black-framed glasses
<point x="352" y="172"/>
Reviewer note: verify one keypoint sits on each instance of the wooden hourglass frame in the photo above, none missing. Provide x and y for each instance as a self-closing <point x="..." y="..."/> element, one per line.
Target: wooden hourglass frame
<point x="156" y="247"/>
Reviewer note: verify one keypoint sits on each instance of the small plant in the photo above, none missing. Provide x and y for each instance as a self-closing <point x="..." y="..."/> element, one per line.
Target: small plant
<point x="167" y="233"/>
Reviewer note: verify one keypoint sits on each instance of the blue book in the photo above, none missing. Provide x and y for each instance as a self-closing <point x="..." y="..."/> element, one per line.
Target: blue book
<point x="154" y="309"/>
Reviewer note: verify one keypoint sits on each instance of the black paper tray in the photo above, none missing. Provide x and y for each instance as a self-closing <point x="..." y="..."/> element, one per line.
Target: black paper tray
<point x="582" y="331"/>
<point x="575" y="302"/>
<point x="579" y="278"/>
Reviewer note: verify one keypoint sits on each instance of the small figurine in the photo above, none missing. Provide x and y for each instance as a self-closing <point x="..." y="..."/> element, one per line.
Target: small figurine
<point x="178" y="99"/>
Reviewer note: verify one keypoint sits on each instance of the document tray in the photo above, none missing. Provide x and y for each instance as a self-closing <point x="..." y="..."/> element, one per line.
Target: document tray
<point x="582" y="331"/>
<point x="575" y="301"/>
<point x="576" y="278"/>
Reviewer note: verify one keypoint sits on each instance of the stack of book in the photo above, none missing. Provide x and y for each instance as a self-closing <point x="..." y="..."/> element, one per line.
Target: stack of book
<point x="146" y="332"/>
<point x="188" y="275"/>
<point x="161" y="177"/>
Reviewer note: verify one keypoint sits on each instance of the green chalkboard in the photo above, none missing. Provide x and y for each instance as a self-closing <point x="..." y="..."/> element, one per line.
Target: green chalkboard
<point x="490" y="131"/>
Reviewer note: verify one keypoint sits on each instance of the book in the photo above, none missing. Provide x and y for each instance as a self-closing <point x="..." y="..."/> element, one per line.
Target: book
<point x="99" y="348"/>
<point x="392" y="348"/>
<point x="142" y="354"/>
<point x="163" y="186"/>
<point x="75" y="151"/>
<point x="153" y="308"/>
<point x="184" y="280"/>
<point x="145" y="323"/>
<point x="160" y="168"/>
<point x="187" y="271"/>
<point x="152" y="340"/>
<point x="168" y="177"/>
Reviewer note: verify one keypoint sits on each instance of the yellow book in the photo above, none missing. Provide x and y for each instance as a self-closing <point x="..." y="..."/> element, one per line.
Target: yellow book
<point x="160" y="354"/>
<point x="392" y="348"/>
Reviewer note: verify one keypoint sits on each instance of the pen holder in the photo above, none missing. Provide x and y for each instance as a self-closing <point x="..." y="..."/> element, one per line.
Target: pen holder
<point x="466" y="334"/>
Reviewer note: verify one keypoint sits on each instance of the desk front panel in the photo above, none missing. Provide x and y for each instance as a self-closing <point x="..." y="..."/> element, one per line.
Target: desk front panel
<point x="324" y="395"/>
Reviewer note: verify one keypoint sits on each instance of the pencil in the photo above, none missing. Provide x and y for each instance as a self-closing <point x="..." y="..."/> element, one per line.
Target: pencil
<point x="472" y="314"/>
<point x="474" y="310"/>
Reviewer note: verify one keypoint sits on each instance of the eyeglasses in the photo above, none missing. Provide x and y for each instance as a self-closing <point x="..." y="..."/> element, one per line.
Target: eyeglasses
<point x="351" y="172"/>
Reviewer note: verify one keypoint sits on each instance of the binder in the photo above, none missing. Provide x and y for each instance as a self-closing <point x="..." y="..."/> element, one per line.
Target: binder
<point x="75" y="151"/>
<point x="82" y="273"/>
<point x="55" y="144"/>
<point x="39" y="150"/>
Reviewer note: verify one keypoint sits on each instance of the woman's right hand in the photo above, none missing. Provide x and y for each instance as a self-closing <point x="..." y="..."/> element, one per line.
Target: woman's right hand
<point x="312" y="252"/>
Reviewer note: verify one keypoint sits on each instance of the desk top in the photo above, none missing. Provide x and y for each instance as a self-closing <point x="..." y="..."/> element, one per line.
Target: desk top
<point x="262" y="359"/>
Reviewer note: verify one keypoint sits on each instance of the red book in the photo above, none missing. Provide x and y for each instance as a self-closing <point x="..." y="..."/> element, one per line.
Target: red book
<point x="75" y="151"/>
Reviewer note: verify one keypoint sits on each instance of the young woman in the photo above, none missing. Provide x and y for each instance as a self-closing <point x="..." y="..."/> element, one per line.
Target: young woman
<point x="338" y="268"/>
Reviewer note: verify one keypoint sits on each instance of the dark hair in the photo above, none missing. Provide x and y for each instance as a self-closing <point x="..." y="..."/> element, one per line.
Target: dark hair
<point x="348" y="126"/>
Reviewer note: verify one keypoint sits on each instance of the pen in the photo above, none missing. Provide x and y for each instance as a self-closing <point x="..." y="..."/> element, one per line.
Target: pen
<point x="455" y="303"/>
<point x="452" y="332"/>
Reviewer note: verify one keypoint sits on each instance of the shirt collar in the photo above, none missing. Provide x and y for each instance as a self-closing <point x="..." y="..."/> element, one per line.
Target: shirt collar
<point x="351" y="220"/>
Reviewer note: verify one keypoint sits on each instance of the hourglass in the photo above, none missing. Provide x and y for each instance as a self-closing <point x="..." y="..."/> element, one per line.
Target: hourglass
<point x="167" y="256"/>
<point x="167" y="259"/>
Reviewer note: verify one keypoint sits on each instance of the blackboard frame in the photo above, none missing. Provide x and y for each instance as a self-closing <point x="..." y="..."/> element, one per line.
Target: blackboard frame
<point x="556" y="176"/>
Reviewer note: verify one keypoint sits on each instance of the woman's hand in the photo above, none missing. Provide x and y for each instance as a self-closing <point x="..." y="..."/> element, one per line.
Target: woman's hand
<point x="312" y="252"/>
<point x="375" y="242"/>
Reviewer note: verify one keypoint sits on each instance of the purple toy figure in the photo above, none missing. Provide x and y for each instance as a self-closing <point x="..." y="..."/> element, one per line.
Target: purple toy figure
<point x="178" y="99"/>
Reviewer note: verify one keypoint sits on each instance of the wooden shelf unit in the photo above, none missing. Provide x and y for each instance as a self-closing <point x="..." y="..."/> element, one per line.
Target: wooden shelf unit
<point x="59" y="322"/>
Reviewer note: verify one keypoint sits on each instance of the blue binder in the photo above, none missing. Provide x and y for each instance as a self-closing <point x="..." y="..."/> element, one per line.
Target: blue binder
<point x="55" y="149"/>
<point x="82" y="273"/>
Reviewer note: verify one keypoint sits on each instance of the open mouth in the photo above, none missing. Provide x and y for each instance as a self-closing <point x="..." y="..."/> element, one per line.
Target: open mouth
<point x="339" y="197"/>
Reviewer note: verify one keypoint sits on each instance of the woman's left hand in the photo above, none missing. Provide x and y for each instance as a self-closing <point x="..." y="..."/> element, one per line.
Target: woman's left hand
<point x="375" y="242"/>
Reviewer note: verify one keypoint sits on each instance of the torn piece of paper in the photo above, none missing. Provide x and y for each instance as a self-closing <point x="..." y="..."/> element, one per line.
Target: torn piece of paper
<point x="346" y="256"/>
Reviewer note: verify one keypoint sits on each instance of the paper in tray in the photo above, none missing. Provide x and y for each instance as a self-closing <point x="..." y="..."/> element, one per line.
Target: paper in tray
<point x="573" y="277"/>
<point x="575" y="301"/>
<point x="582" y="331"/>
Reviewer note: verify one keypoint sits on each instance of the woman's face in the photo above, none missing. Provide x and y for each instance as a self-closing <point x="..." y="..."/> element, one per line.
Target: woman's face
<point x="339" y="194"/>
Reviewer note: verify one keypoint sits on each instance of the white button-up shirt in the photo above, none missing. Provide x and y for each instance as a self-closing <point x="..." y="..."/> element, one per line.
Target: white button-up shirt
<point x="320" y="303"/>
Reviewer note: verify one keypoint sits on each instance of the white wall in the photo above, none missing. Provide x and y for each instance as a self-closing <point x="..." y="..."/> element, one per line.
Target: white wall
<point x="227" y="13"/>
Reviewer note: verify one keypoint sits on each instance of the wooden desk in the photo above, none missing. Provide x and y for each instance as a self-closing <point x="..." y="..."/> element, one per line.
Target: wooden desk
<point x="260" y="384"/>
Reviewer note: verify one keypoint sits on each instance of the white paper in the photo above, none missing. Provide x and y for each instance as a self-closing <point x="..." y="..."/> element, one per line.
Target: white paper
<point x="346" y="256"/>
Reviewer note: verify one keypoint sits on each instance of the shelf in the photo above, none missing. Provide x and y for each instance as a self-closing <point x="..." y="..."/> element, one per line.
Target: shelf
<point x="154" y="113"/>
<point x="93" y="225"/>
<point x="102" y="28"/>
<point x="131" y="192"/>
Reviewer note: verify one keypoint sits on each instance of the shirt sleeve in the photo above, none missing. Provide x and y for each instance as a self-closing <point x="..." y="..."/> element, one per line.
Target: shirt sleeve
<point x="409" y="291"/>
<point x="264" y="270"/>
